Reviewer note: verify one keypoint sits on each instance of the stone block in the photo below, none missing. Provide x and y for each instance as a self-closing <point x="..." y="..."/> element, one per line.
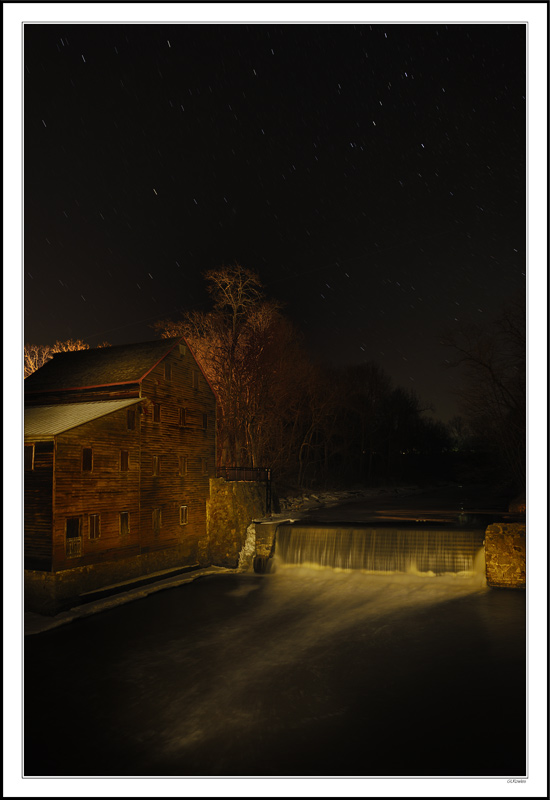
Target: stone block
<point x="231" y="508"/>
<point x="505" y="555"/>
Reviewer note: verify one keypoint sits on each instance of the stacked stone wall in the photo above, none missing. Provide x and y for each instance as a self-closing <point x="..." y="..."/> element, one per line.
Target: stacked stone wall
<point x="233" y="505"/>
<point x="51" y="592"/>
<point x="505" y="555"/>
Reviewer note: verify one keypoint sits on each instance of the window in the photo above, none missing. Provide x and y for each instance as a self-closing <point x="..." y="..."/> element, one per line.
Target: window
<point x="157" y="520"/>
<point x="195" y="379"/>
<point x="73" y="542"/>
<point x="156" y="412"/>
<point x="182" y="465"/>
<point x="183" y="515"/>
<point x="205" y="421"/>
<point x="87" y="459"/>
<point x="167" y="371"/>
<point x="124" y="461"/>
<point x="93" y="526"/>
<point x="72" y="528"/>
<point x="29" y="456"/>
<point x="131" y="419"/>
<point x="183" y="417"/>
<point x="124" y="523"/>
<point x="156" y="465"/>
<point x="204" y="466"/>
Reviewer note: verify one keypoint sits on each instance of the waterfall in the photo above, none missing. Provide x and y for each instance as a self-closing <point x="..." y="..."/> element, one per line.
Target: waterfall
<point x="380" y="549"/>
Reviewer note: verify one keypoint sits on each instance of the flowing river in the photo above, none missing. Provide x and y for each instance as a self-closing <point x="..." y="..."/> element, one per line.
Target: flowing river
<point x="304" y="672"/>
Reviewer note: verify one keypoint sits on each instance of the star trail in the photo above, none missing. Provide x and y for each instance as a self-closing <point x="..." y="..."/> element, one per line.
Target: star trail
<point x="372" y="175"/>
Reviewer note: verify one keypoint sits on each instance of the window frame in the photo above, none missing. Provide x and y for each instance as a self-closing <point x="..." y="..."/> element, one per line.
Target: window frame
<point x="120" y="531"/>
<point x="28" y="447"/>
<point x="185" y="514"/>
<point x="155" y="466"/>
<point x="95" y="517"/>
<point x="156" y="413"/>
<point x="124" y="462"/>
<point x="182" y="466"/>
<point x="73" y="544"/>
<point x="82" y="467"/>
<point x="131" y="415"/>
<point x="78" y="517"/>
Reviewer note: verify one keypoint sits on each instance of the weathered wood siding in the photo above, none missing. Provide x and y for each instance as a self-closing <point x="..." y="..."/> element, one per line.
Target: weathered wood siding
<point x="38" y="513"/>
<point x="173" y="438"/>
<point x="86" y="395"/>
<point x="184" y="444"/>
<point x="105" y="490"/>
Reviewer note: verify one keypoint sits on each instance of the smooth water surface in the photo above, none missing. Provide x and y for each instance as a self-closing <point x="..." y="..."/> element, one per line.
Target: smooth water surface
<point x="301" y="673"/>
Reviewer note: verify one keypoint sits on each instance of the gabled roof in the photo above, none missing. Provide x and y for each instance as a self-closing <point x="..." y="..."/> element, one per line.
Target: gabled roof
<point x="42" y="423"/>
<point x="102" y="366"/>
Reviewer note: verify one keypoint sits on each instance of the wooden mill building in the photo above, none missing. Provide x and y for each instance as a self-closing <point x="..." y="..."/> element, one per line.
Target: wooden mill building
<point x="119" y="449"/>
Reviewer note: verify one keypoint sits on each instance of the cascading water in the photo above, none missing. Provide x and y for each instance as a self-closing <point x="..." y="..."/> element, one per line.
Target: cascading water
<point x="380" y="549"/>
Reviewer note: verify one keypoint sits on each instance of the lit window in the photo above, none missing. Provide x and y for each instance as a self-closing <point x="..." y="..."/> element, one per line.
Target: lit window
<point x="183" y="465"/>
<point x="29" y="456"/>
<point x="157" y="520"/>
<point x="183" y="515"/>
<point x="156" y="465"/>
<point x="124" y="523"/>
<point x="87" y="459"/>
<point x="93" y="521"/>
<point x="124" y="461"/>
<point x="131" y="423"/>
<point x="156" y="412"/>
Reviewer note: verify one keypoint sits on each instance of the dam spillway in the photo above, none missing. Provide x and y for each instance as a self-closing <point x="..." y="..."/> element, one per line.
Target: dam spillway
<point x="425" y="550"/>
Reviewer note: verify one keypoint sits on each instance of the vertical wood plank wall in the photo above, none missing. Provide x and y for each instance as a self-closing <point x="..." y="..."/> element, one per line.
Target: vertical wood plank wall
<point x="38" y="512"/>
<point x="170" y="440"/>
<point x="107" y="490"/>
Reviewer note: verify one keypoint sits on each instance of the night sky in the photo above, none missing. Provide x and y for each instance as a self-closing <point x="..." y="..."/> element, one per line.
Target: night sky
<point x="387" y="161"/>
<point x="372" y="175"/>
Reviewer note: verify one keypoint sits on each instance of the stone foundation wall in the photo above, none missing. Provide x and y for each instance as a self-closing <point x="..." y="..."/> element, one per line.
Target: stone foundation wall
<point x="51" y="592"/>
<point x="505" y="555"/>
<point x="233" y="505"/>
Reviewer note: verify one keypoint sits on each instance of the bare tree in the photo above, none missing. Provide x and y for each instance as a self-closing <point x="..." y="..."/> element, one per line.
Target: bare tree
<point x="493" y="394"/>
<point x="36" y="355"/>
<point x="234" y="290"/>
<point x="249" y="352"/>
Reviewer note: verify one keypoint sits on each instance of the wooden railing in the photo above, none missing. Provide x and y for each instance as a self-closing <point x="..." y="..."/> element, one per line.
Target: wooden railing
<point x="74" y="547"/>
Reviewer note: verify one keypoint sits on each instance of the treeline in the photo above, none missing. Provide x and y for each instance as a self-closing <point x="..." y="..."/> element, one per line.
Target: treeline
<point x="493" y="394"/>
<point x="313" y="425"/>
<point x="316" y="426"/>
